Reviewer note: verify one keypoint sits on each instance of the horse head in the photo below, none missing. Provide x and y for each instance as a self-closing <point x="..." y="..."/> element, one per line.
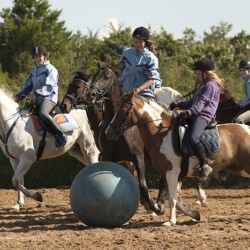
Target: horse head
<point x="228" y="108"/>
<point x="76" y="92"/>
<point x="103" y="83"/>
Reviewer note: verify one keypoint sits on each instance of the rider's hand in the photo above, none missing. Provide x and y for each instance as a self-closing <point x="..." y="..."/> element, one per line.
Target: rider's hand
<point x="18" y="99"/>
<point x="32" y="98"/>
<point x="182" y="118"/>
<point x="172" y="106"/>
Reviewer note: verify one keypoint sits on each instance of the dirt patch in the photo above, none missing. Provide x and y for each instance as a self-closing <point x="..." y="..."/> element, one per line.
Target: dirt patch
<point x="225" y="224"/>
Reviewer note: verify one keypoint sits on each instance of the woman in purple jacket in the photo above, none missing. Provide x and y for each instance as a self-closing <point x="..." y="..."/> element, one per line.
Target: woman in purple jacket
<point x="201" y="109"/>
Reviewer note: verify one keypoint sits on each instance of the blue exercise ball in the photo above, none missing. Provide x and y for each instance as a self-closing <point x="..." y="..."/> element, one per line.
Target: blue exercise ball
<point x="104" y="194"/>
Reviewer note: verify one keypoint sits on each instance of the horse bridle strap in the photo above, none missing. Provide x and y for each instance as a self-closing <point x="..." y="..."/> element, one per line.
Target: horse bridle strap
<point x="110" y="84"/>
<point x="74" y="99"/>
<point x="124" y="127"/>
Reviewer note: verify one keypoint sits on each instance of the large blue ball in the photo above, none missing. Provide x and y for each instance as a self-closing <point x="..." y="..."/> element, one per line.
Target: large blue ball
<point x="104" y="194"/>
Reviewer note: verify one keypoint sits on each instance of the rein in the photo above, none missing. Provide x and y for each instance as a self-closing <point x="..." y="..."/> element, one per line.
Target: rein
<point x="124" y="127"/>
<point x="4" y="138"/>
<point x="74" y="100"/>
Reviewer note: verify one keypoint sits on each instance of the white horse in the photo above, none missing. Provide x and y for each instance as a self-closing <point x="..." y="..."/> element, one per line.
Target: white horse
<point x="20" y="142"/>
<point x="168" y="95"/>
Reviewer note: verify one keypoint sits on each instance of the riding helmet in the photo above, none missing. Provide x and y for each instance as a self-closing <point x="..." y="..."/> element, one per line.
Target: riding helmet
<point x="244" y="64"/>
<point x="204" y="64"/>
<point x="39" y="49"/>
<point x="141" y="33"/>
<point x="120" y="50"/>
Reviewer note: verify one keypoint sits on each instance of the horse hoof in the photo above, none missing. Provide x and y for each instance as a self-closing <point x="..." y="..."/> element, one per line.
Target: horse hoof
<point x="38" y="197"/>
<point x="153" y="214"/>
<point x="15" y="208"/>
<point x="168" y="224"/>
<point x="197" y="202"/>
<point x="196" y="215"/>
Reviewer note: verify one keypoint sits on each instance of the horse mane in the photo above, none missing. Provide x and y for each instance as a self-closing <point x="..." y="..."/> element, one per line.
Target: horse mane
<point x="5" y="91"/>
<point x="82" y="75"/>
<point x="227" y="95"/>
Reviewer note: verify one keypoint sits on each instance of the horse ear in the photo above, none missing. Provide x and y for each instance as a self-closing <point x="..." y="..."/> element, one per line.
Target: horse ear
<point x="118" y="71"/>
<point x="99" y="64"/>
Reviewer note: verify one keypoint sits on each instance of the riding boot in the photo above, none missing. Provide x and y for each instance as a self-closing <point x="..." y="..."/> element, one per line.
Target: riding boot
<point x="206" y="170"/>
<point x="57" y="132"/>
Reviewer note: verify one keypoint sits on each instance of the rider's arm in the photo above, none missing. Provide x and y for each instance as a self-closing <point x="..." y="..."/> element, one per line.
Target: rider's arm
<point x="50" y="82"/>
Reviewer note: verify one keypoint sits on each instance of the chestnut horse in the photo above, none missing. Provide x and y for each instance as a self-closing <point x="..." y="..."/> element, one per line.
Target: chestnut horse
<point x="154" y="124"/>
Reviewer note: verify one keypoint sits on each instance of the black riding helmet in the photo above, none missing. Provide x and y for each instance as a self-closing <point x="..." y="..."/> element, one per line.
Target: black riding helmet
<point x="39" y="49"/>
<point x="120" y="50"/>
<point x="244" y="64"/>
<point x="204" y="64"/>
<point x="141" y="33"/>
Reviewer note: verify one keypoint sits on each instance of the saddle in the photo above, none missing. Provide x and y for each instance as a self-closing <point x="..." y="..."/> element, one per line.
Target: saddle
<point x="180" y="138"/>
<point x="65" y="121"/>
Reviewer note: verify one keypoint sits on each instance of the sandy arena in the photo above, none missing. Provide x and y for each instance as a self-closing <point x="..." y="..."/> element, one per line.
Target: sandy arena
<point x="225" y="224"/>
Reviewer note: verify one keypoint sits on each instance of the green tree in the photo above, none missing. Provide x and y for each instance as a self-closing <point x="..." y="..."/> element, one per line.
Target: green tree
<point x="28" y="23"/>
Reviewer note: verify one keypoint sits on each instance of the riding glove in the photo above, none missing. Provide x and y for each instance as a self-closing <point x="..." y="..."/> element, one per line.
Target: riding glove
<point x="172" y="105"/>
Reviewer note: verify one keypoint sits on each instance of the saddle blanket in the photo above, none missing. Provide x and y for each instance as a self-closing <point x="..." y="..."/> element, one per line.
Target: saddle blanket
<point x="209" y="138"/>
<point x="65" y="121"/>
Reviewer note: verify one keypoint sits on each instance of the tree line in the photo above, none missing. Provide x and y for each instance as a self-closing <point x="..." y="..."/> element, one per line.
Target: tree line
<point x="32" y="22"/>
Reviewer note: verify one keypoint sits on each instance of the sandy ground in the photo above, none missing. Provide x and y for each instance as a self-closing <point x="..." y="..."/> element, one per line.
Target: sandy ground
<point x="225" y="224"/>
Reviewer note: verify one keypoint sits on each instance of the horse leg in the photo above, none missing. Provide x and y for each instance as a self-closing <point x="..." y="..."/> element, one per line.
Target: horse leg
<point x="172" y="181"/>
<point x="146" y="200"/>
<point x="88" y="148"/>
<point x="20" y="196"/>
<point x="132" y="169"/>
<point x="17" y="180"/>
<point x="201" y="198"/>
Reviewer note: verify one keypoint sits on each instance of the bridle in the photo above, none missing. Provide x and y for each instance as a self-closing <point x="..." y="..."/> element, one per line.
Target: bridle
<point x="101" y="94"/>
<point x="123" y="127"/>
<point x="74" y="100"/>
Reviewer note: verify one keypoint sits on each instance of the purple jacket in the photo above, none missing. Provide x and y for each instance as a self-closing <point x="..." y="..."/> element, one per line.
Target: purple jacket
<point x="205" y="101"/>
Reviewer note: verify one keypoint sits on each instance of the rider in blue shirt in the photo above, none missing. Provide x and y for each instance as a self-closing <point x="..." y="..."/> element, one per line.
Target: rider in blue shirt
<point x="140" y="65"/>
<point x="43" y="81"/>
<point x="244" y="68"/>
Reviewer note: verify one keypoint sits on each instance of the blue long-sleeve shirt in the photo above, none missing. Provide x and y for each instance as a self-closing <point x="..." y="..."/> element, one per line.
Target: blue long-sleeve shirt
<point x="139" y="66"/>
<point x="205" y="101"/>
<point x="246" y="99"/>
<point x="43" y="81"/>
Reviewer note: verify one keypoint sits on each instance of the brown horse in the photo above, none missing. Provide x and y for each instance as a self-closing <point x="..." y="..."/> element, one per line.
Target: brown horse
<point x="130" y="148"/>
<point x="154" y="124"/>
<point x="228" y="109"/>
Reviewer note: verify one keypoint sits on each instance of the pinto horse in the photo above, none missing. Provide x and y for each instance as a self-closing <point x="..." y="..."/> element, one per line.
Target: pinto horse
<point x="154" y="124"/>
<point x="104" y="87"/>
<point x="20" y="142"/>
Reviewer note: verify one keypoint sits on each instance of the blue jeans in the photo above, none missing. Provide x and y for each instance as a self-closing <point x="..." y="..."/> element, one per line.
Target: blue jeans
<point x="197" y="127"/>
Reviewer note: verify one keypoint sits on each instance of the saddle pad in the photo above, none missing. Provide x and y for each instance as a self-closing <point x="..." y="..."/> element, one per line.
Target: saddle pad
<point x="65" y="121"/>
<point x="211" y="140"/>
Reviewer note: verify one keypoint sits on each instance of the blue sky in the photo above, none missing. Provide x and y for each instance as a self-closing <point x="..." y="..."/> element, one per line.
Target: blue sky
<point x="174" y="15"/>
